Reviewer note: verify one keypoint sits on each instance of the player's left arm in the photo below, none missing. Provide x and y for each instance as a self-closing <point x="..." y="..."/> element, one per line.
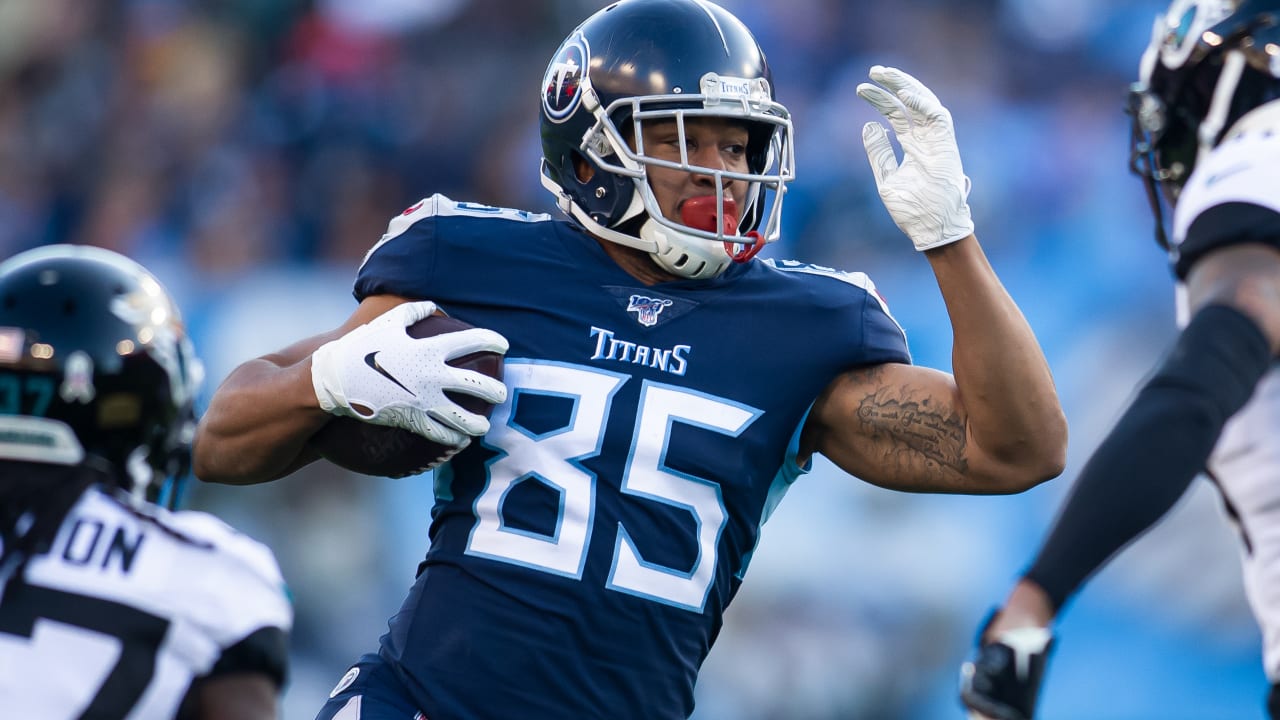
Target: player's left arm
<point x="996" y="426"/>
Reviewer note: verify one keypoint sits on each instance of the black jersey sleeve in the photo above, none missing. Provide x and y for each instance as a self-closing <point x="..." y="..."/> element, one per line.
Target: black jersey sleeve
<point x="265" y="651"/>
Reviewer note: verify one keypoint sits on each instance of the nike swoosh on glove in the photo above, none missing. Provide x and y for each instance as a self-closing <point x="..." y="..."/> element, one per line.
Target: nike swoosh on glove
<point x="927" y="194"/>
<point x="382" y="375"/>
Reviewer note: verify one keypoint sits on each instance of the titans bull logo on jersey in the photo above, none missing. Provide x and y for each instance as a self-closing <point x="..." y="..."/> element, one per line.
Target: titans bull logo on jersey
<point x="562" y="85"/>
<point x="647" y="309"/>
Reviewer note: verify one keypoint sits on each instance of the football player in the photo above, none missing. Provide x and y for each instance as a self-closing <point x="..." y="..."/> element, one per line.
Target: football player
<point x="663" y="386"/>
<point x="111" y="606"/>
<point x="1206" y="141"/>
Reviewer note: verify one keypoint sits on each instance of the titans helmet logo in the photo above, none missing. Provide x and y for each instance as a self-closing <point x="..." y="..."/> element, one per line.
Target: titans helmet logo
<point x="562" y="85"/>
<point x="647" y="309"/>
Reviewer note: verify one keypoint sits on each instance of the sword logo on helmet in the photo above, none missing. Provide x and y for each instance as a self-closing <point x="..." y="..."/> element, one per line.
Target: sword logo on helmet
<point x="562" y="84"/>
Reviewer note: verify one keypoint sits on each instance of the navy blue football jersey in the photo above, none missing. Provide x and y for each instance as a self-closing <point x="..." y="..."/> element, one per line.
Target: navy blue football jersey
<point x="584" y="551"/>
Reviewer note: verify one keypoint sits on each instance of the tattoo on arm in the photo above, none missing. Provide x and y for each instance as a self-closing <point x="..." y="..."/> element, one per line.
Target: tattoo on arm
<point x="915" y="428"/>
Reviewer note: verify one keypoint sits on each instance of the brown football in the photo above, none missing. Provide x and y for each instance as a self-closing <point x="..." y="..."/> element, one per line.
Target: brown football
<point x="393" y="452"/>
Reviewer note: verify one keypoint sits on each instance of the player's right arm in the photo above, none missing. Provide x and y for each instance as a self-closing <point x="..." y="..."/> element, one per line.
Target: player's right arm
<point x="260" y="418"/>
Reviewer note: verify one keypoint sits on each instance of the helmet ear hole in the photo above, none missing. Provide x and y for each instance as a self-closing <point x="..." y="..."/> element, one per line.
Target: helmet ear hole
<point x="583" y="170"/>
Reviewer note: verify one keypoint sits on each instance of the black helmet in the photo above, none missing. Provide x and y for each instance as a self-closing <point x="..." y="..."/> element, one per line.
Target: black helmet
<point x="643" y="60"/>
<point x="95" y="366"/>
<point x="1209" y="63"/>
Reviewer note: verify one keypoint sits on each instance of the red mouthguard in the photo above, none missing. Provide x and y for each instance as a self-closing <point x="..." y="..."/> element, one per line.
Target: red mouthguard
<point x="700" y="213"/>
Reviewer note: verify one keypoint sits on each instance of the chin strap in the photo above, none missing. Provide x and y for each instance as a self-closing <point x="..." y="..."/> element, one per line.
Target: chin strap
<point x="742" y="252"/>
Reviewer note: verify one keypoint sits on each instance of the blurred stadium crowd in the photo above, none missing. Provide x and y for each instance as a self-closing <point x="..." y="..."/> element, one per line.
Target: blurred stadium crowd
<point x="250" y="151"/>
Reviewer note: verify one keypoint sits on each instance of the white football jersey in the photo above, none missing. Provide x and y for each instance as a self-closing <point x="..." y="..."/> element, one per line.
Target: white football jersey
<point x="1246" y="464"/>
<point x="1245" y="167"/>
<point x="128" y="606"/>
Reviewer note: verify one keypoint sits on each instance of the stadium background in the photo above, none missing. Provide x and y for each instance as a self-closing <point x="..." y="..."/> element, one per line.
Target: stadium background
<point x="251" y="150"/>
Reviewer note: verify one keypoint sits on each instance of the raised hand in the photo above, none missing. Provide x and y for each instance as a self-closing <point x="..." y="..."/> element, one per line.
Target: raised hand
<point x="927" y="193"/>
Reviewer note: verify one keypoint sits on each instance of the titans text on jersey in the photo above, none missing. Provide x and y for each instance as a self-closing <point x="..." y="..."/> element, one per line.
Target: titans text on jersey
<point x="608" y="347"/>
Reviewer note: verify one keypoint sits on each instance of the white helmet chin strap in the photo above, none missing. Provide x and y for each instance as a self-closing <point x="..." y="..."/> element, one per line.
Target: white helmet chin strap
<point x="681" y="254"/>
<point x="140" y="474"/>
<point x="685" y="255"/>
<point x="1216" y="119"/>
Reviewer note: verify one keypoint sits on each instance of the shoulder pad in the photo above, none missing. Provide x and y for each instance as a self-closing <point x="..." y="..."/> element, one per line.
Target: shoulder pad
<point x="1244" y="168"/>
<point x="440" y="206"/>
<point x="858" y="279"/>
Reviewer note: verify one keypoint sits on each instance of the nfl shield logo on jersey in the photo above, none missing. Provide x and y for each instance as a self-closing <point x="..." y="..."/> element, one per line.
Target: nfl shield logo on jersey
<point x="647" y="309"/>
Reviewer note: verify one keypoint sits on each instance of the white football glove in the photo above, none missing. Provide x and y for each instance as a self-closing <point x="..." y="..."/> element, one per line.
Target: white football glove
<point x="927" y="194"/>
<point x="380" y="374"/>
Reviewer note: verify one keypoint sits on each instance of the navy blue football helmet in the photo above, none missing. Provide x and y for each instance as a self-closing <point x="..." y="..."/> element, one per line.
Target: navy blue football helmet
<point x="95" y="367"/>
<point x="1209" y="63"/>
<point x="648" y="60"/>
